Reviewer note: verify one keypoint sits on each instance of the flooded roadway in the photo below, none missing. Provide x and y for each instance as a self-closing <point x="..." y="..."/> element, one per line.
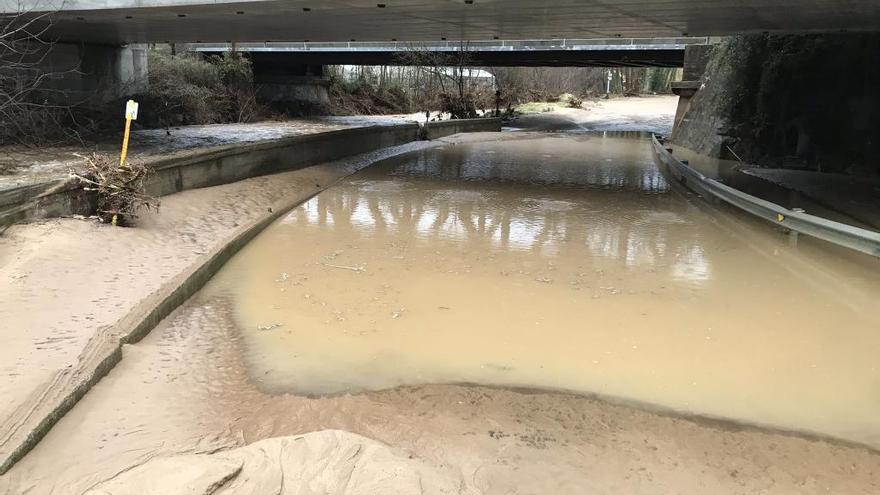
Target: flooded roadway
<point x="556" y="262"/>
<point x="551" y="262"/>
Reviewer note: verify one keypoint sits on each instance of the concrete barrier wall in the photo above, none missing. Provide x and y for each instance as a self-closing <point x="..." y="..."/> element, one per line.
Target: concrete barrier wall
<point x="237" y="162"/>
<point x="230" y="163"/>
<point x="54" y="198"/>
<point x="437" y="130"/>
<point x="211" y="167"/>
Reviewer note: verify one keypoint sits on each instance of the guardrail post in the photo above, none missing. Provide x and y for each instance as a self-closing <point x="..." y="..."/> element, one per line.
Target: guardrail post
<point x="794" y="234"/>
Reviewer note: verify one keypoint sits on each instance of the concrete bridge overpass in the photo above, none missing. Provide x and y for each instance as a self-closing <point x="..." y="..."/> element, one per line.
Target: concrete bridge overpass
<point x="614" y="52"/>
<point x="97" y="31"/>
<point x="292" y="72"/>
<point x="140" y="21"/>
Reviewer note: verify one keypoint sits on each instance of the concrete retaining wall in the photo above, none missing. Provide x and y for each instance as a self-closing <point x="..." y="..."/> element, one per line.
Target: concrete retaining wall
<point x="437" y="130"/>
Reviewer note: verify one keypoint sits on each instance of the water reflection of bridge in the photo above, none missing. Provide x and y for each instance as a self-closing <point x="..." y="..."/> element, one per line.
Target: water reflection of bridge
<point x="529" y="219"/>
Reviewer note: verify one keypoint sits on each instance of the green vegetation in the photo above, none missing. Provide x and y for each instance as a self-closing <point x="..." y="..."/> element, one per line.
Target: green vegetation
<point x="186" y="89"/>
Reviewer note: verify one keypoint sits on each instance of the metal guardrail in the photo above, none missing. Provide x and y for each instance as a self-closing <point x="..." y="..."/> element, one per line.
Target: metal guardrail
<point x="481" y="45"/>
<point x="858" y="239"/>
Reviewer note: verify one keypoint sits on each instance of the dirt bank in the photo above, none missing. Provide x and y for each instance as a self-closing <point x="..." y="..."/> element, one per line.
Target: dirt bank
<point x="644" y="113"/>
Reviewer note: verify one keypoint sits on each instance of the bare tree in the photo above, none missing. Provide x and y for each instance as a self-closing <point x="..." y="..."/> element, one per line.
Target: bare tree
<point x="453" y="86"/>
<point x="29" y="111"/>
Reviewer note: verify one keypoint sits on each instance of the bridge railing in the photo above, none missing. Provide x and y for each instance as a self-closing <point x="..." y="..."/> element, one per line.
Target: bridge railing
<point x="481" y="45"/>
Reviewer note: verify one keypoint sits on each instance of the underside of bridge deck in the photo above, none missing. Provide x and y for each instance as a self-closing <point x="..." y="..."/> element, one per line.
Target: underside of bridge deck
<point x="127" y="21"/>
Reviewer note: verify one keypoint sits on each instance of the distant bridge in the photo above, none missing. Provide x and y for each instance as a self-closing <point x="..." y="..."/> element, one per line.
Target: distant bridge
<point x="613" y="52"/>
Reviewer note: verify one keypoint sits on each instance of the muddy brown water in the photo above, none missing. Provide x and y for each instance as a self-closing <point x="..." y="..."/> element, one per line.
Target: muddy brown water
<point x="560" y="262"/>
<point x="555" y="262"/>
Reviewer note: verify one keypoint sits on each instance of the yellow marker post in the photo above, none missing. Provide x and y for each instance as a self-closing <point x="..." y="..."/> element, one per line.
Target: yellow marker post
<point x="131" y="113"/>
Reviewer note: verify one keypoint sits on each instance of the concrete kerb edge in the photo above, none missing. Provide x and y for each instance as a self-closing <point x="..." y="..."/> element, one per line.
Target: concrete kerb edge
<point x="143" y="318"/>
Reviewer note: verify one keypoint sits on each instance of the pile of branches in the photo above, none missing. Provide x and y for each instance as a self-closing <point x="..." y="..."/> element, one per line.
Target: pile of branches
<point x="120" y="189"/>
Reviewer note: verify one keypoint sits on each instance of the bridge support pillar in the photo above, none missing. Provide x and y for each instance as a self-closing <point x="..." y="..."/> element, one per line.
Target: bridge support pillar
<point x="294" y="88"/>
<point x="695" y="59"/>
<point x="685" y="90"/>
<point x="81" y="73"/>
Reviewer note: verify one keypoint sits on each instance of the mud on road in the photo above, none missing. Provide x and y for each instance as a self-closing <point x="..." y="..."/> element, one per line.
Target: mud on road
<point x="309" y="328"/>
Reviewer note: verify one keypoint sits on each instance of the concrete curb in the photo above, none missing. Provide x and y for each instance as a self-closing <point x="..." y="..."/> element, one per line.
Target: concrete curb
<point x="38" y="414"/>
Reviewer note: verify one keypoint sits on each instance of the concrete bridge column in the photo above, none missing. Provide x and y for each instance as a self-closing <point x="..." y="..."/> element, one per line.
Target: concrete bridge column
<point x="81" y="73"/>
<point x="296" y="88"/>
<point x="695" y="59"/>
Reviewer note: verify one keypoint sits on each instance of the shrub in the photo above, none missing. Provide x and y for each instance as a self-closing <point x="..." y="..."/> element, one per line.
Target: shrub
<point x="358" y="97"/>
<point x="185" y="89"/>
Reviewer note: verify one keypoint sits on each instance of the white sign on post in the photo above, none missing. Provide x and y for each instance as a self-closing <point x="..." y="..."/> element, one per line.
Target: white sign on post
<point x="131" y="110"/>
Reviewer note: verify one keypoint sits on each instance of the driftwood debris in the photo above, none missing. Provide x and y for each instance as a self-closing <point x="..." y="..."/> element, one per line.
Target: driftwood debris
<point x="121" y="190"/>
